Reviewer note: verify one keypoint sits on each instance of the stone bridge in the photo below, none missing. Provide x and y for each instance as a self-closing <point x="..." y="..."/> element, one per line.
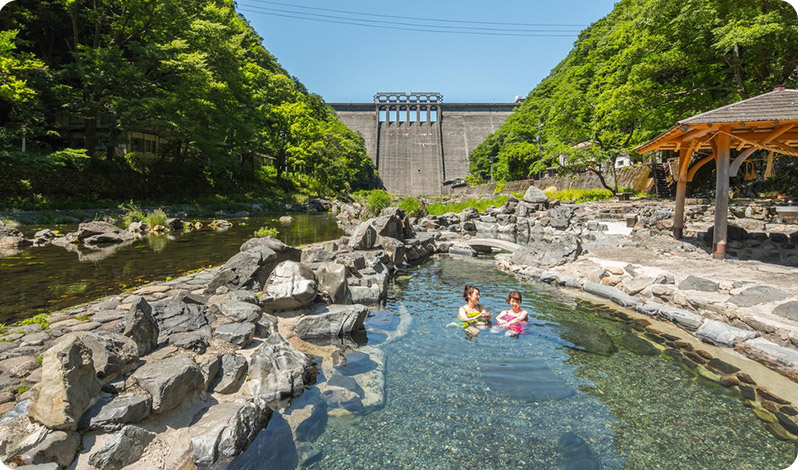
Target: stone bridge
<point x="482" y="243"/>
<point x="419" y="144"/>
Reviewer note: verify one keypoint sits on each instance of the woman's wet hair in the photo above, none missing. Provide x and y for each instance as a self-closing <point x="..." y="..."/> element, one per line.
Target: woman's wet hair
<point x="468" y="290"/>
<point x="514" y="295"/>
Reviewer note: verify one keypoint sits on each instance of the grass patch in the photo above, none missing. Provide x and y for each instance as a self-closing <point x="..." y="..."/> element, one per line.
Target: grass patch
<point x="266" y="232"/>
<point x="83" y="317"/>
<point x="580" y="195"/>
<point x="2" y="328"/>
<point x="40" y="319"/>
<point x="412" y="207"/>
<point x="39" y="359"/>
<point x="437" y="208"/>
<point x="22" y="389"/>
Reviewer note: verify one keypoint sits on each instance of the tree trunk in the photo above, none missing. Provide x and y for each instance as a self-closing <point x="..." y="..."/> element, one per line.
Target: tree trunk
<point x="90" y="136"/>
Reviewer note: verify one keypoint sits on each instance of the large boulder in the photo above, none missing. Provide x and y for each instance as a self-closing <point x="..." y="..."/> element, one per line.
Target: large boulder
<point x="56" y="446"/>
<point x="98" y="232"/>
<point x="290" y="286"/>
<point x="122" y="448"/>
<point x="278" y="370"/>
<point x="111" y="412"/>
<point x="363" y="237"/>
<point x="169" y="381"/>
<point x="68" y="385"/>
<point x="535" y="196"/>
<point x="394" y="248"/>
<point x="239" y="334"/>
<point x="331" y="321"/>
<point x="174" y="316"/>
<point x="233" y="370"/>
<point x="226" y="430"/>
<point x="249" y="268"/>
<point x="111" y="352"/>
<point x="389" y="226"/>
<point x="332" y="282"/>
<point x="236" y="309"/>
<point x="141" y="326"/>
<point x="548" y="253"/>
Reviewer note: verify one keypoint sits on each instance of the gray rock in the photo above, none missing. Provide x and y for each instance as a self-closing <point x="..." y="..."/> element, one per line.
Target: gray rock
<point x="686" y="319"/>
<point x="787" y="310"/>
<point x="721" y="334"/>
<point x="331" y="321"/>
<point x="367" y="295"/>
<point x="169" y="381"/>
<point x="141" y="326"/>
<point x="68" y="385"/>
<point x="245" y="296"/>
<point x="278" y="370"/>
<point x="97" y="230"/>
<point x="638" y="345"/>
<point x="290" y="286"/>
<point x="576" y="454"/>
<point x="174" y="316"/>
<point x="316" y="255"/>
<point x="535" y="196"/>
<point x="648" y="308"/>
<point x="226" y="430"/>
<point x="389" y="226"/>
<point x="763" y="349"/>
<point x="111" y="352"/>
<point x="541" y="253"/>
<point x="39" y="466"/>
<point x="363" y="237"/>
<point x="239" y="334"/>
<point x="57" y="446"/>
<point x="394" y="248"/>
<point x="210" y="368"/>
<point x="233" y="371"/>
<point x="122" y="448"/>
<point x="191" y="341"/>
<point x="236" y="309"/>
<point x="699" y="284"/>
<point x="757" y="295"/>
<point x="611" y="293"/>
<point x="332" y="281"/>
<point x="462" y="249"/>
<point x="111" y="412"/>
<point x="239" y="272"/>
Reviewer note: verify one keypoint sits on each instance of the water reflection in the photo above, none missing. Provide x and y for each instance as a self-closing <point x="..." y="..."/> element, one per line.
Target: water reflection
<point x="29" y="277"/>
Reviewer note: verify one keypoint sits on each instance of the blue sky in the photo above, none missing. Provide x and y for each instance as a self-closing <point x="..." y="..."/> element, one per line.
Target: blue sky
<point x="349" y="63"/>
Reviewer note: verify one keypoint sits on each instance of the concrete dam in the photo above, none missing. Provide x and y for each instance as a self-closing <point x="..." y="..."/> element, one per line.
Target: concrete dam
<point x="419" y="144"/>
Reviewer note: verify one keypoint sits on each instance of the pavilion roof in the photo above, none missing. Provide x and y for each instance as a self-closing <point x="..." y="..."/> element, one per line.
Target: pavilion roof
<point x="753" y="123"/>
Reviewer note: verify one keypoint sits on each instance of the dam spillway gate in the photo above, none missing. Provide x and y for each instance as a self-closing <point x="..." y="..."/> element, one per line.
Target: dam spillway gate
<point x="418" y="143"/>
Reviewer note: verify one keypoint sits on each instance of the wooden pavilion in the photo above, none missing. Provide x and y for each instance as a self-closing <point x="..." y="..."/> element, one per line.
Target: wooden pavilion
<point x="766" y="122"/>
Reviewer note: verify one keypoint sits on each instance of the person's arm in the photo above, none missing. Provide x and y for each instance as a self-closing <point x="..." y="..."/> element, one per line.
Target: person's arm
<point x="484" y="313"/>
<point x="500" y="318"/>
<point x="522" y="315"/>
<point x="461" y="314"/>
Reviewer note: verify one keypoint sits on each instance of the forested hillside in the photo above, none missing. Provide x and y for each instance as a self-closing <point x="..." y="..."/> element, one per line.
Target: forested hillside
<point x="133" y="98"/>
<point x="635" y="72"/>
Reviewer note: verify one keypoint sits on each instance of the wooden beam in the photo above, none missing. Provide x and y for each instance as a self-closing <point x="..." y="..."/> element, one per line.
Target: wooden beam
<point x="681" y="191"/>
<point x="721" y="196"/>
<point x="703" y="161"/>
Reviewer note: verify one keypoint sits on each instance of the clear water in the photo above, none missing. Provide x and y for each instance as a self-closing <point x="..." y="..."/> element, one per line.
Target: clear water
<point x="43" y="279"/>
<point x="496" y="402"/>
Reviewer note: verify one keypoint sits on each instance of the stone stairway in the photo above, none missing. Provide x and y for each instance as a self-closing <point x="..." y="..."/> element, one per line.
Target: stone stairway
<point x="661" y="183"/>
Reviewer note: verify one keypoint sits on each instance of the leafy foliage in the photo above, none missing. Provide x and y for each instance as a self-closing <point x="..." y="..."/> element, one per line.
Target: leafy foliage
<point x="412" y="207"/>
<point x="194" y="73"/>
<point x="40" y="319"/>
<point x="635" y="72"/>
<point x="266" y="232"/>
<point x="377" y="201"/>
<point x="156" y="217"/>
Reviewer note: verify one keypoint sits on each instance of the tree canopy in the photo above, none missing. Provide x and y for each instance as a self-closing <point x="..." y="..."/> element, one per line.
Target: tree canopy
<point x="634" y="73"/>
<point x="192" y="72"/>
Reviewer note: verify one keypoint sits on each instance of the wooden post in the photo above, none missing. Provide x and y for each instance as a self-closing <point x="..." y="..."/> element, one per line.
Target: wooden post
<point x="681" y="191"/>
<point x="721" y="195"/>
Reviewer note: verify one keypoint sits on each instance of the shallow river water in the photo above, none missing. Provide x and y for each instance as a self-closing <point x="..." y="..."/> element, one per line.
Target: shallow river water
<point x="495" y="402"/>
<point x="43" y="279"/>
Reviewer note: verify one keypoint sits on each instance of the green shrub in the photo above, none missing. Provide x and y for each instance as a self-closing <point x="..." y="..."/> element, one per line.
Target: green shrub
<point x="39" y="359"/>
<point x="41" y="319"/>
<point x="377" y="201"/>
<point x="2" y="328"/>
<point x="156" y="217"/>
<point x="22" y="389"/>
<point x="266" y="232"/>
<point x="133" y="213"/>
<point x="412" y="207"/>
